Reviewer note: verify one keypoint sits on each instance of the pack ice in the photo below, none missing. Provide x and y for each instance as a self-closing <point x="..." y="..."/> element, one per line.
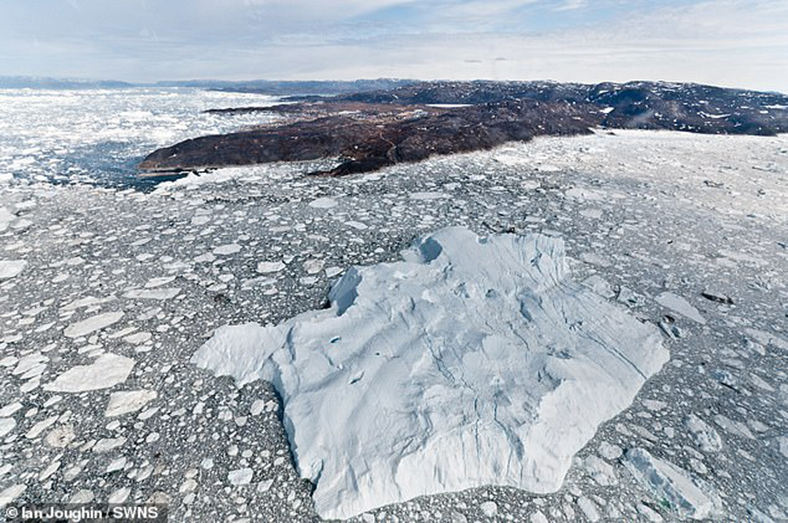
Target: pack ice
<point x="474" y="361"/>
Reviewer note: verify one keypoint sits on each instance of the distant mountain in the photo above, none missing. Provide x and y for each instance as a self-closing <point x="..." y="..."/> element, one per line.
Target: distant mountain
<point x="42" y="82"/>
<point x="312" y="87"/>
<point x="272" y="87"/>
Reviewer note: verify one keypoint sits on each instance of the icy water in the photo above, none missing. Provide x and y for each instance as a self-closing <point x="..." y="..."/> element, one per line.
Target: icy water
<point x="98" y="136"/>
<point x="107" y="294"/>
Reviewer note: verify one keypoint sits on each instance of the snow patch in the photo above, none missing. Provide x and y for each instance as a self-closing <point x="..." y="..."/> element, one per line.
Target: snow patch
<point x="474" y="361"/>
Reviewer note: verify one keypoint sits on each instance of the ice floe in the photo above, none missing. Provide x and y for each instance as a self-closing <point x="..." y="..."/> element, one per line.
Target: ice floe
<point x="474" y="361"/>
<point x="126" y="401"/>
<point x="681" y="306"/>
<point x="11" y="268"/>
<point x="162" y="293"/>
<point x="673" y="486"/>
<point x="93" y="324"/>
<point x="323" y="203"/>
<point x="107" y="371"/>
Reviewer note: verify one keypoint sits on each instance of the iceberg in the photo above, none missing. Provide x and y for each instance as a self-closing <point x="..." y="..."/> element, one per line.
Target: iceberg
<point x="473" y="361"/>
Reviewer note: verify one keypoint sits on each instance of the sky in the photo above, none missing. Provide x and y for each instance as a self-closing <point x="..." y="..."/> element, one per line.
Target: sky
<point x="737" y="43"/>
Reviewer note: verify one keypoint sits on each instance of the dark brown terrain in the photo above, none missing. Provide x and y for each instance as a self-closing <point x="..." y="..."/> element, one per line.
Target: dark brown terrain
<point x="369" y="130"/>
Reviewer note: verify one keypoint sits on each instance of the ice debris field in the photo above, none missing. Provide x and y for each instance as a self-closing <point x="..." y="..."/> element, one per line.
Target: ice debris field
<point x="473" y="305"/>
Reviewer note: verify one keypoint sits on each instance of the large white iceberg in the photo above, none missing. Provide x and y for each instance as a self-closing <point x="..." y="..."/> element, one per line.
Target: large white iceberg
<point x="474" y="361"/>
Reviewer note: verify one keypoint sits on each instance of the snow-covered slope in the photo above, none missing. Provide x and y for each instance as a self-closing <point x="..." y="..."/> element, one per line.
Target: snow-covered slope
<point x="474" y="361"/>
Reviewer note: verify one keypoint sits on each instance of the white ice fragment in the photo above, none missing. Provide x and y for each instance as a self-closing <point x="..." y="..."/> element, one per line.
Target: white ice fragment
<point x="205" y="258"/>
<point x="257" y="407"/>
<point x="107" y="371"/>
<point x="680" y="305"/>
<point x="489" y="509"/>
<point x="584" y="194"/>
<point x="313" y="266"/>
<point x="600" y="470"/>
<point x="538" y="517"/>
<point x="734" y="427"/>
<point x="107" y="444"/>
<point x="60" y="436"/>
<point x="323" y="203"/>
<point x="6" y="426"/>
<point x="138" y="338"/>
<point x="11" y="268"/>
<point x="686" y="496"/>
<point x="125" y="401"/>
<point x="10" y="409"/>
<point x="357" y="225"/>
<point x="226" y="250"/>
<point x="116" y="464"/>
<point x="87" y="301"/>
<point x="11" y="493"/>
<point x="92" y="324"/>
<point x="474" y="362"/>
<point x="40" y="427"/>
<point x="30" y="362"/>
<point x="163" y="293"/>
<point x="6" y="217"/>
<point x="158" y="282"/>
<point x="589" y="508"/>
<point x="600" y="286"/>
<point x="241" y="476"/>
<point x="119" y="496"/>
<point x="707" y="438"/>
<point x="782" y="443"/>
<point x="265" y="267"/>
<point x="428" y="195"/>
<point x="767" y="338"/>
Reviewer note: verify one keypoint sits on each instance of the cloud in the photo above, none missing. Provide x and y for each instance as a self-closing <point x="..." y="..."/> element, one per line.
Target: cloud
<point x="729" y="42"/>
<point x="571" y="5"/>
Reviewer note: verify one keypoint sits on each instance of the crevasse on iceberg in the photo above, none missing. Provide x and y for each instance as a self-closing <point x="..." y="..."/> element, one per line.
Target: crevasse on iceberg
<point x="474" y="361"/>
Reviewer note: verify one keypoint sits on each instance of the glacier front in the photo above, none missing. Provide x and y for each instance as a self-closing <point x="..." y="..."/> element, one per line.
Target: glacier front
<point x="473" y="361"/>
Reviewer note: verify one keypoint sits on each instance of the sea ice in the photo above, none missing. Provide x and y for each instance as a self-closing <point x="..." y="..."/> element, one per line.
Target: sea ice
<point x="11" y="268"/>
<point x="688" y="497"/>
<point x="125" y="401"/>
<point x="162" y="293"/>
<point x="681" y="306"/>
<point x="474" y="361"/>
<point x="92" y="324"/>
<point x="107" y="371"/>
<point x="323" y="203"/>
<point x="268" y="267"/>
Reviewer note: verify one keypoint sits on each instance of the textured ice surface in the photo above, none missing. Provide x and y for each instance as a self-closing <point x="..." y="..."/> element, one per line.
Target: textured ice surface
<point x="474" y="361"/>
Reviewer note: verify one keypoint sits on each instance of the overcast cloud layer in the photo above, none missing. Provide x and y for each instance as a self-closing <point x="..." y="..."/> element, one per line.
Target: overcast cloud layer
<point x="740" y="43"/>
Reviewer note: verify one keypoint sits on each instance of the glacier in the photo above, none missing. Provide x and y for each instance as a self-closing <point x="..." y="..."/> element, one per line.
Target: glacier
<point x="472" y="361"/>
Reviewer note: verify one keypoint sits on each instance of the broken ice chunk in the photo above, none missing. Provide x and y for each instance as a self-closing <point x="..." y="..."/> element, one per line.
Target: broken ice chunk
<point x="674" y="486"/>
<point x="680" y="306"/>
<point x="107" y="371"/>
